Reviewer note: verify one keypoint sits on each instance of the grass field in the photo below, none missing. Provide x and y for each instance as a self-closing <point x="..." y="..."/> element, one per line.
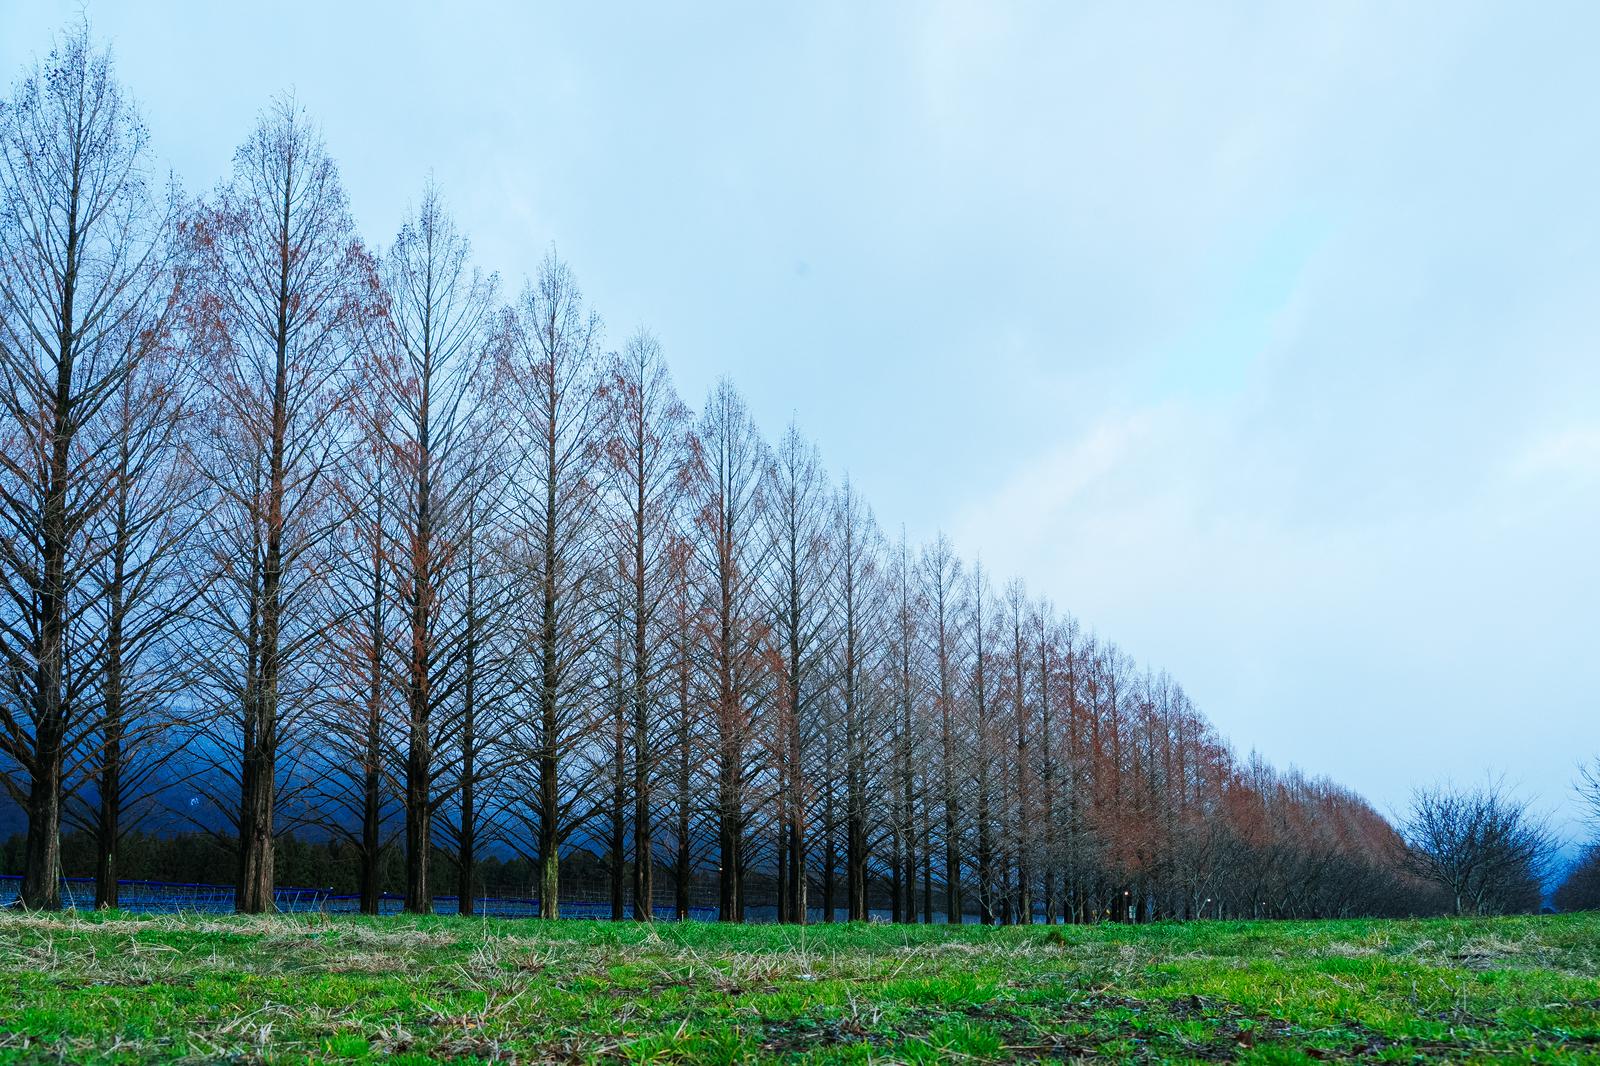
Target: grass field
<point x="116" y="988"/>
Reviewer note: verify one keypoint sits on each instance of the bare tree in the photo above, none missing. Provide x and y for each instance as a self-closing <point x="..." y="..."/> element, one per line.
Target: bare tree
<point x="644" y="450"/>
<point x="84" y="297"/>
<point x="905" y="644"/>
<point x="1483" y="846"/>
<point x="684" y="743"/>
<point x="858" y="606"/>
<point x="352" y="787"/>
<point x="551" y="368"/>
<point x="483" y="715"/>
<point x="941" y="572"/>
<point x="1021" y="765"/>
<point x="797" y="591"/>
<point x="728" y="458"/>
<point x="286" y="283"/>
<point x="141" y="598"/>
<point x="983" y="747"/>
<point x="428" y="350"/>
<point x="1047" y="839"/>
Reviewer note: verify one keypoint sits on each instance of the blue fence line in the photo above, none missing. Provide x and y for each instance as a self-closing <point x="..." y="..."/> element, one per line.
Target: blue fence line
<point x="175" y="897"/>
<point x="513" y="907"/>
<point x="168" y="897"/>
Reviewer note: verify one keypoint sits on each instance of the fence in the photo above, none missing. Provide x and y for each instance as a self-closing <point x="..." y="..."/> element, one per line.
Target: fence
<point x="172" y="897"/>
<point x="167" y="897"/>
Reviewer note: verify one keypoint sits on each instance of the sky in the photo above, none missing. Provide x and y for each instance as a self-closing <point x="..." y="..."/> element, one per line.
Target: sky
<point x="1262" y="338"/>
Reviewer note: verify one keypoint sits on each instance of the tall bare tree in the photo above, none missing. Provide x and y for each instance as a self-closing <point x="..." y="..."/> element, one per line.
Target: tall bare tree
<point x="142" y="598"/>
<point x="729" y="459"/>
<point x="352" y="788"/>
<point x="552" y="371"/>
<point x="858" y="606"/>
<point x="1021" y="830"/>
<point x="286" y="285"/>
<point x="797" y="592"/>
<point x="481" y="718"/>
<point x="982" y="752"/>
<point x="684" y="743"/>
<point x="941" y="576"/>
<point x="1046" y="636"/>
<point x="905" y="643"/>
<point x="430" y="349"/>
<point x="84" y="296"/>
<point x="644" y="449"/>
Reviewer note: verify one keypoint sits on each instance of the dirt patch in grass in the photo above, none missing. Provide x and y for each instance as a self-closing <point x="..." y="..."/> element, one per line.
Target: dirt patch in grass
<point x="811" y="1034"/>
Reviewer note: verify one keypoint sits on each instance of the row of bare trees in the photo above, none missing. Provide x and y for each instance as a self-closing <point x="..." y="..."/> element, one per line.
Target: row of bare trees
<point x="337" y="536"/>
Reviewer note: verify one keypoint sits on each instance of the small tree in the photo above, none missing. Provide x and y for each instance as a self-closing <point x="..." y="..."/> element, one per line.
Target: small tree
<point x="1483" y="846"/>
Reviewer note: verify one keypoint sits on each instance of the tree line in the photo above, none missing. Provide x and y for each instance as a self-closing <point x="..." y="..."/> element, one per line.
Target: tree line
<point x="352" y="540"/>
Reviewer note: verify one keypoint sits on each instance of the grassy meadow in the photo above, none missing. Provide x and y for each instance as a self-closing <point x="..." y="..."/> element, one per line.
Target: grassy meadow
<point x="117" y="988"/>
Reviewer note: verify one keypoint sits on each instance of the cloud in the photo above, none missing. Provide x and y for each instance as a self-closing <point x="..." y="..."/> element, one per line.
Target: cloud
<point x="1569" y="452"/>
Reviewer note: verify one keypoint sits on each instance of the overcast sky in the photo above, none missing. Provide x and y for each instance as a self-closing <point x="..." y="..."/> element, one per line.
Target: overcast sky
<point x="1263" y="339"/>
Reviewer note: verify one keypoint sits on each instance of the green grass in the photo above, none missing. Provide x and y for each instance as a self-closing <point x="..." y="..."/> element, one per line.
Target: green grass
<point x="125" y="989"/>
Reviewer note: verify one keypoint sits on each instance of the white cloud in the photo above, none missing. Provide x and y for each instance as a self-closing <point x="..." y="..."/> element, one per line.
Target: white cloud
<point x="1572" y="451"/>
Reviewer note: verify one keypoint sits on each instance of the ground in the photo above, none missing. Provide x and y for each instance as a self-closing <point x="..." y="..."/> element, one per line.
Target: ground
<point x="121" y="988"/>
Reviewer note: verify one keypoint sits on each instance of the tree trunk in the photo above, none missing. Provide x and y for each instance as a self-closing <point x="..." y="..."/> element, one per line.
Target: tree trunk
<point x="258" y="792"/>
<point x="419" y="818"/>
<point x="253" y="893"/>
<point x="619" y="809"/>
<point x="41" y="881"/>
<point x="856" y="824"/>
<point x="109" y="828"/>
<point x="986" y="886"/>
<point x="371" y="825"/>
<point x="466" y="855"/>
<point x="681" y="868"/>
<point x="105" y="872"/>
<point x="549" y="843"/>
<point x="830" y="858"/>
<point x="644" y="850"/>
<point x="728" y="839"/>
